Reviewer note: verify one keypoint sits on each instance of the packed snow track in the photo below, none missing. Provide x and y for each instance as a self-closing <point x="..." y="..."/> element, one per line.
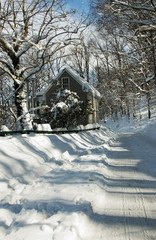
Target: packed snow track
<point x="92" y="185"/>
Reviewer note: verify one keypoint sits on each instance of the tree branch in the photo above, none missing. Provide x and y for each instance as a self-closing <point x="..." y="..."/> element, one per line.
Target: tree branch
<point x="115" y="2"/>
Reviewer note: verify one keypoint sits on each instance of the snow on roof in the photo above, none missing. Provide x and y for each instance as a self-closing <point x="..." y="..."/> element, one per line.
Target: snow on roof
<point x="148" y="79"/>
<point x="45" y="89"/>
<point x="86" y="87"/>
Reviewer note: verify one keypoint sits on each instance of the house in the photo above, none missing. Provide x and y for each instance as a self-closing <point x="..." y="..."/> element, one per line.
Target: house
<point x="68" y="79"/>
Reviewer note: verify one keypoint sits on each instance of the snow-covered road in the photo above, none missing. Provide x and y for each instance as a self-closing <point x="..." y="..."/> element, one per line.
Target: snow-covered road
<point x="132" y="161"/>
<point x="86" y="186"/>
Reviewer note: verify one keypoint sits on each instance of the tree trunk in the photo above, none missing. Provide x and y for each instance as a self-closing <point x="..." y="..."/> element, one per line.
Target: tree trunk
<point x="20" y="99"/>
<point x="22" y="110"/>
<point x="149" y="109"/>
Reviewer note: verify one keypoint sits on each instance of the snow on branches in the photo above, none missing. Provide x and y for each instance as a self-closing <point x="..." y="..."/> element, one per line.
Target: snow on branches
<point x="67" y="110"/>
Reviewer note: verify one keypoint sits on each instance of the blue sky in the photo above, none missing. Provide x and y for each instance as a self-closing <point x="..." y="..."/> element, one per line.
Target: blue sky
<point x="80" y="5"/>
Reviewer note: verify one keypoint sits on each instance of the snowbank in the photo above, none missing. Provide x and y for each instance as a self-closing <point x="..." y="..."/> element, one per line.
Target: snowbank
<point x="47" y="127"/>
<point x="92" y="185"/>
<point x="124" y="124"/>
<point x="4" y="128"/>
<point x="43" y="127"/>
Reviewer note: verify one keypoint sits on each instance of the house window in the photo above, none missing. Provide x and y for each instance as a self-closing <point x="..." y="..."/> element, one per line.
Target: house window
<point x="65" y="83"/>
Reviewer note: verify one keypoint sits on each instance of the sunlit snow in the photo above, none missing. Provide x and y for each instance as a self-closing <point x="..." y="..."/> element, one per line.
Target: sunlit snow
<point x="91" y="185"/>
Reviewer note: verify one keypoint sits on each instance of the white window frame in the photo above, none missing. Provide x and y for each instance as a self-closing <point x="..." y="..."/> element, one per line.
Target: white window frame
<point x="63" y="84"/>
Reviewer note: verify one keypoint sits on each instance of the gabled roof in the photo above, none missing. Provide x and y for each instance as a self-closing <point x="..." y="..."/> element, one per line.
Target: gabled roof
<point x="86" y="87"/>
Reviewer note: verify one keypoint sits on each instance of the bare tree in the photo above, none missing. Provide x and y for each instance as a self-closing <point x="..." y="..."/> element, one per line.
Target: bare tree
<point x="80" y="57"/>
<point x="7" y="113"/>
<point x="34" y="29"/>
<point x="134" y="23"/>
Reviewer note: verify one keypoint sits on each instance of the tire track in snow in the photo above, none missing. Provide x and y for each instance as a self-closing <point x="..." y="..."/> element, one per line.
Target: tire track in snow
<point x="143" y="153"/>
<point x="130" y="181"/>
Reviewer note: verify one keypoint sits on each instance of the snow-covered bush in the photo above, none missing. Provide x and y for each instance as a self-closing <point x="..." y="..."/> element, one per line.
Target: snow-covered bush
<point x="67" y="110"/>
<point x="4" y="128"/>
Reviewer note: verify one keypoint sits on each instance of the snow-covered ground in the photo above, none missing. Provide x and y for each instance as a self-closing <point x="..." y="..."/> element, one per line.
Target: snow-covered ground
<point x="92" y="185"/>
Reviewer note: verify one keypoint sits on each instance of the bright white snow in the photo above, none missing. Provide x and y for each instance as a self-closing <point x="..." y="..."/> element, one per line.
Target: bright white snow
<point x="93" y="185"/>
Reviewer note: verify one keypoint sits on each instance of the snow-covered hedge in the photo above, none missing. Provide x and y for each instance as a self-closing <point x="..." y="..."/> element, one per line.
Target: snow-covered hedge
<point x="67" y="110"/>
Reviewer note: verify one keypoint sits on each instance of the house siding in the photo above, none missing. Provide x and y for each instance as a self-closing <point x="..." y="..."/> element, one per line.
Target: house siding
<point x="76" y="85"/>
<point x="51" y="94"/>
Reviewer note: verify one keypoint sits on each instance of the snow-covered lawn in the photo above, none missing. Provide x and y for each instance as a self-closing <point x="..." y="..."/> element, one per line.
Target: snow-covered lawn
<point x="93" y="185"/>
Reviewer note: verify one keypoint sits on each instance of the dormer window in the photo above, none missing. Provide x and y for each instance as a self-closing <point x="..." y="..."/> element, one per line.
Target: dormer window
<point x="65" y="83"/>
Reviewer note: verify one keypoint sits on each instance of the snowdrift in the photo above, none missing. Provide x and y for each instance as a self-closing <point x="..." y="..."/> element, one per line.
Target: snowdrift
<point x="92" y="185"/>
